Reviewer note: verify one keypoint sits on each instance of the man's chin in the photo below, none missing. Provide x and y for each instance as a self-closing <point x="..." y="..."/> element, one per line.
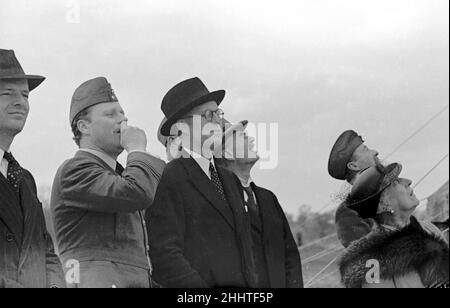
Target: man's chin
<point x="14" y="129"/>
<point x="118" y="150"/>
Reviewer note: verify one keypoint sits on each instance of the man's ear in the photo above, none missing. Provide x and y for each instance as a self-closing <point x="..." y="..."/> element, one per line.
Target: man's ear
<point x="83" y="127"/>
<point x="353" y="166"/>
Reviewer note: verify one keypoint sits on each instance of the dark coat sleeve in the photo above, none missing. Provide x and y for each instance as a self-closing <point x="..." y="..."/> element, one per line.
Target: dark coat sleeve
<point x="350" y="227"/>
<point x="166" y="219"/>
<point x="55" y="274"/>
<point x="86" y="185"/>
<point x="293" y="264"/>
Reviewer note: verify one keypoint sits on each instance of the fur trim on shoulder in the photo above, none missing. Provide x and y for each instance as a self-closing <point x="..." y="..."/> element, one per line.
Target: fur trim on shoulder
<point x="399" y="253"/>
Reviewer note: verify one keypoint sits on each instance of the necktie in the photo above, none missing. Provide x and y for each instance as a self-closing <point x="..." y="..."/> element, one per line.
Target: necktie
<point x="251" y="202"/>
<point x="119" y="169"/>
<point x="216" y="181"/>
<point x="15" y="172"/>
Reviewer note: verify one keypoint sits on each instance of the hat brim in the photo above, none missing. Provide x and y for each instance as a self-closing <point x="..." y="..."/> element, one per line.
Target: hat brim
<point x="393" y="173"/>
<point x="216" y="96"/>
<point x="33" y="80"/>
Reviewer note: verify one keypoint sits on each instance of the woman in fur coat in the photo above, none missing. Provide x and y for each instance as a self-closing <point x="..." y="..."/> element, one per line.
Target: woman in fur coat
<point x="400" y="252"/>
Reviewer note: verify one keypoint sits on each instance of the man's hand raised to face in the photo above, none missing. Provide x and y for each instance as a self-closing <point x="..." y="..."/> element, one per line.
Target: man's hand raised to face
<point x="132" y="138"/>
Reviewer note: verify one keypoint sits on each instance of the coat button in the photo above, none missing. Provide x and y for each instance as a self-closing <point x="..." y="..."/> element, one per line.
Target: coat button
<point x="9" y="237"/>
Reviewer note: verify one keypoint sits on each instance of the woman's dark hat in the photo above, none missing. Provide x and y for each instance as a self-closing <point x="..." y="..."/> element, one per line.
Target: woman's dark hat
<point x="369" y="185"/>
<point x="184" y="97"/>
<point x="10" y="68"/>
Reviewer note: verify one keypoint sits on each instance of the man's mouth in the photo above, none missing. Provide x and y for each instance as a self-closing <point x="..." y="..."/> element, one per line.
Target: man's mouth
<point x="17" y="113"/>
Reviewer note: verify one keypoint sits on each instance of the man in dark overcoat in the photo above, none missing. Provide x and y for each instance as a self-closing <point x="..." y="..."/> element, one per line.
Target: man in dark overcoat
<point x="27" y="258"/>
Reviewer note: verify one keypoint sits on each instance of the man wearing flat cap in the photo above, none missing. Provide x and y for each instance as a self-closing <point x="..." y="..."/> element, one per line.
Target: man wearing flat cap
<point x="349" y="157"/>
<point x="98" y="205"/>
<point x="196" y="224"/>
<point x="275" y="254"/>
<point x="27" y="258"/>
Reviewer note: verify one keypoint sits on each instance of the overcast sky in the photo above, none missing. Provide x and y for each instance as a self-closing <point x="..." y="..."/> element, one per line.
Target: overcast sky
<point x="315" y="67"/>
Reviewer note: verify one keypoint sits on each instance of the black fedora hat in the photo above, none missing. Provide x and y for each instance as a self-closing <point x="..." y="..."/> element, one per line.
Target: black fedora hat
<point x="10" y="68"/>
<point x="370" y="184"/>
<point x="183" y="97"/>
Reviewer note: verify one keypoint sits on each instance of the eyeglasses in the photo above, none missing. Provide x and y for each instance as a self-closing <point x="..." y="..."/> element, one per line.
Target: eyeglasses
<point x="209" y="115"/>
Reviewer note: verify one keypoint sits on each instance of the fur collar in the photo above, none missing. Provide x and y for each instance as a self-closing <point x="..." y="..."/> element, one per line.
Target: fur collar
<point x="399" y="253"/>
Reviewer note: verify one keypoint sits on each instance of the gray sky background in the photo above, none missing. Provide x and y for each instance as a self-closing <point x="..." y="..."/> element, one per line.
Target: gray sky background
<point x="316" y="67"/>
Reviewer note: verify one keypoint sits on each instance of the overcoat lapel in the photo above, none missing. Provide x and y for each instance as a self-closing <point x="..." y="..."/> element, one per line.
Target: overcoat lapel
<point x="268" y="225"/>
<point x="31" y="208"/>
<point x="204" y="185"/>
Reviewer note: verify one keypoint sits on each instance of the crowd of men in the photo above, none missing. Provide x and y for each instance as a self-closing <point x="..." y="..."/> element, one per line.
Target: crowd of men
<point x="199" y="221"/>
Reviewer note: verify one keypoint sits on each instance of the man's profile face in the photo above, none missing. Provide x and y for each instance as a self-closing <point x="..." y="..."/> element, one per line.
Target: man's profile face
<point x="103" y="127"/>
<point x="201" y="128"/>
<point x="241" y="147"/>
<point x="363" y="158"/>
<point x="14" y="107"/>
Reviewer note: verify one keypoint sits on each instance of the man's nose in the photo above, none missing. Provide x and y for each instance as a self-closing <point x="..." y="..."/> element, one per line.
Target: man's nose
<point x="123" y="119"/>
<point x="21" y="101"/>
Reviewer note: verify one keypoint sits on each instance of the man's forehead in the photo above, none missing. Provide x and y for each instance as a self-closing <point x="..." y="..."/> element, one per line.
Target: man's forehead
<point x="107" y="107"/>
<point x="21" y="84"/>
<point x="361" y="147"/>
<point x="204" y="107"/>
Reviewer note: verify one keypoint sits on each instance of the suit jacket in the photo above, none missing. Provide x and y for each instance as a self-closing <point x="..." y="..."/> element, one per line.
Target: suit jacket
<point x="98" y="213"/>
<point x="281" y="252"/>
<point x="196" y="238"/>
<point x="27" y="258"/>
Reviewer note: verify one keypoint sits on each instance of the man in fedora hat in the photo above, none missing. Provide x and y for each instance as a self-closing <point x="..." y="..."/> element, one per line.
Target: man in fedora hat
<point x="98" y="205"/>
<point x="196" y="224"/>
<point x="275" y="253"/>
<point x="348" y="158"/>
<point x="27" y="258"/>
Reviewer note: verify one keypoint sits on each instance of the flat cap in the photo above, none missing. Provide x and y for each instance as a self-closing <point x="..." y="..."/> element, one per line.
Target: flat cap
<point x="230" y="129"/>
<point x="92" y="92"/>
<point x="342" y="153"/>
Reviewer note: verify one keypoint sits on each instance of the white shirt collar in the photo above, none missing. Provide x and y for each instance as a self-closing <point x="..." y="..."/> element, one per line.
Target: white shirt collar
<point x="246" y="183"/>
<point x="3" y="163"/>
<point x="203" y="162"/>
<point x="2" y="153"/>
<point x="390" y="228"/>
<point x="111" y="162"/>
